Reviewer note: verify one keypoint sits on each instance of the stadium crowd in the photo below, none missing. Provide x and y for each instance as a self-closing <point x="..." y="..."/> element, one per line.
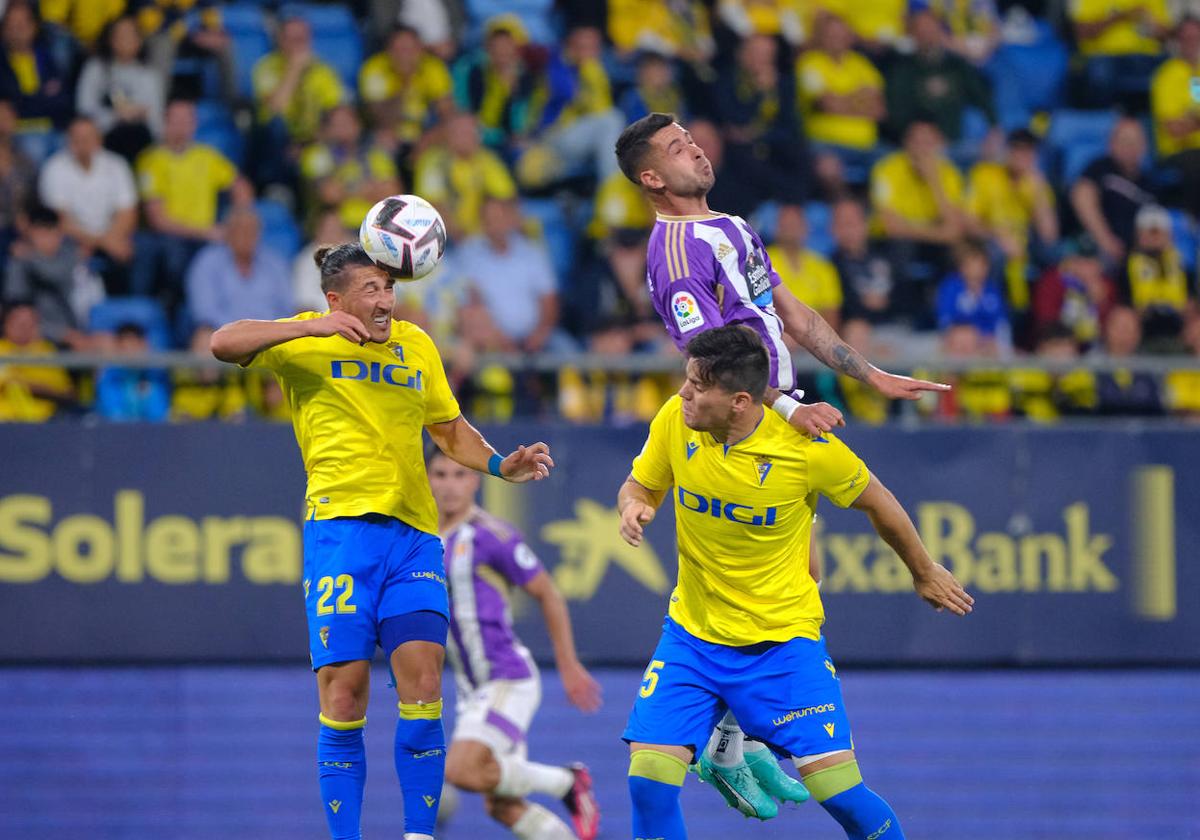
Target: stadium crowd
<point x="969" y="179"/>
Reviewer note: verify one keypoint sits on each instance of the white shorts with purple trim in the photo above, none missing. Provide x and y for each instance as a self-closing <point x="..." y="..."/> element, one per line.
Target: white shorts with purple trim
<point x="498" y="714"/>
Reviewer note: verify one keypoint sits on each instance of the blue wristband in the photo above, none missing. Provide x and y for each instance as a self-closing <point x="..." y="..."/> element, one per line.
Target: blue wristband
<point x="494" y="465"/>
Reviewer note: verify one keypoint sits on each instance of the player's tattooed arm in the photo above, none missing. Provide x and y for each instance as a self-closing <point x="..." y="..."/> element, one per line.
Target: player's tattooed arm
<point x="813" y="333"/>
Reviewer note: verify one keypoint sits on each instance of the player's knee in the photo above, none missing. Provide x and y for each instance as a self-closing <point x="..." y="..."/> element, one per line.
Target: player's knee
<point x="344" y="701"/>
<point x="655" y="779"/>
<point x="504" y="810"/>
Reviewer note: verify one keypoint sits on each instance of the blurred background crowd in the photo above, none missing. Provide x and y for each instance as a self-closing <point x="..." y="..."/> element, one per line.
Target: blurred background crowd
<point x="946" y="181"/>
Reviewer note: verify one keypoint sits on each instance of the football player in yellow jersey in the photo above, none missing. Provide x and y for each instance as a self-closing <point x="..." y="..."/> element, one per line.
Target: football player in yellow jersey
<point x="743" y="630"/>
<point x="360" y="387"/>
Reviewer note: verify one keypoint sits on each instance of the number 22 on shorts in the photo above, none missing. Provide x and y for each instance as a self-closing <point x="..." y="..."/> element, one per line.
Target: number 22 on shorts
<point x="326" y="586"/>
<point x="650" y="678"/>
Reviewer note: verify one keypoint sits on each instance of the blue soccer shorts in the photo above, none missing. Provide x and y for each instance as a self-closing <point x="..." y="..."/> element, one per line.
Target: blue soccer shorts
<point x="361" y="570"/>
<point x="787" y="694"/>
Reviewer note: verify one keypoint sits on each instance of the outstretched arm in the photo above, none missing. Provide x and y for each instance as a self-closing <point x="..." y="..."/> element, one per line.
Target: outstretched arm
<point x="637" y="505"/>
<point x="582" y="690"/>
<point x="463" y="443"/>
<point x="810" y="330"/>
<point x="932" y="581"/>
<point x="240" y="341"/>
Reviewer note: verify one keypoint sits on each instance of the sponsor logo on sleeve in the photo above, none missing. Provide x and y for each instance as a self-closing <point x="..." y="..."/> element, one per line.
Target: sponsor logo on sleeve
<point x="686" y="311"/>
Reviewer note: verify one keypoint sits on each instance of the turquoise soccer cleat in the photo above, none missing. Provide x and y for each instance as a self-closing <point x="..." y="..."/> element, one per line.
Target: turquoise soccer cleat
<point x="739" y="788"/>
<point x="773" y="780"/>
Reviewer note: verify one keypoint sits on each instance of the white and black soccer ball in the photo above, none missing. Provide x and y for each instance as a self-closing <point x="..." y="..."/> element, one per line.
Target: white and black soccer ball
<point x="405" y="235"/>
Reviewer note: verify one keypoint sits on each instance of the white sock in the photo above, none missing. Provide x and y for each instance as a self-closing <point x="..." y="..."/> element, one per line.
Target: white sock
<point x="519" y="778"/>
<point x="411" y="836"/>
<point x="539" y="824"/>
<point x="752" y="746"/>
<point x="725" y="746"/>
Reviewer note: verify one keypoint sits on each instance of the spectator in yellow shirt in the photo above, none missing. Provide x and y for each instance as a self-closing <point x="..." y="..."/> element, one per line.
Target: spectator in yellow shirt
<point x="917" y="196"/>
<point x="1175" y="105"/>
<point x="342" y="173"/>
<point x="180" y="182"/>
<point x="292" y="89"/>
<point x="1010" y="203"/>
<point x="784" y="19"/>
<point x="1158" y="285"/>
<point x="29" y="393"/>
<point x="1121" y="41"/>
<point x="621" y="223"/>
<point x="405" y="88"/>
<point x="841" y="99"/>
<point x="578" y="125"/>
<point x="841" y="92"/>
<point x="807" y="274"/>
<point x="879" y="24"/>
<point x="496" y="83"/>
<point x="667" y="27"/>
<point x="207" y="393"/>
<point x="458" y="174"/>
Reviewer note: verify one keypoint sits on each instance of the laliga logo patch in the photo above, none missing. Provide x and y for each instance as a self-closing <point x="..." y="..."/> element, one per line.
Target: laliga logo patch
<point x="686" y="312"/>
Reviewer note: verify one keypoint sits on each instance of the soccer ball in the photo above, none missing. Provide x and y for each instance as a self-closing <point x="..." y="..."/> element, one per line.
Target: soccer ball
<point x="404" y="235"/>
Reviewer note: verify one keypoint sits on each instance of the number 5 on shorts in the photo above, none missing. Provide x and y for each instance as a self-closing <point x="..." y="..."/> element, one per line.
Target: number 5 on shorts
<point x="650" y="678"/>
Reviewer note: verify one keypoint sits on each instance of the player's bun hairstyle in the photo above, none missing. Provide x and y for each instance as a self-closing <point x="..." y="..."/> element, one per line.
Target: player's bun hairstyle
<point x="634" y="143"/>
<point x="733" y="358"/>
<point x="334" y="260"/>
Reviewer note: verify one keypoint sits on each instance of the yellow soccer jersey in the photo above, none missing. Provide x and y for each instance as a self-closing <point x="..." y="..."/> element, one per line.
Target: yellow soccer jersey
<point x="187" y="183"/>
<point x="743" y="515"/>
<point x="819" y="73"/>
<point x="358" y="414"/>
<point x="1175" y="94"/>
<point x="811" y="278"/>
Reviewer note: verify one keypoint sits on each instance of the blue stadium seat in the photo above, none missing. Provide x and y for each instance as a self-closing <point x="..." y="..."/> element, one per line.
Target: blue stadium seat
<point x="146" y="312"/>
<point x="820" y="227"/>
<point x="1027" y="78"/>
<point x="337" y="39"/>
<point x="1187" y="238"/>
<point x="557" y="233"/>
<point x="1077" y="157"/>
<point x="247" y="28"/>
<point x="764" y="219"/>
<point x="216" y="127"/>
<point x="1071" y="129"/>
<point x="279" y="230"/>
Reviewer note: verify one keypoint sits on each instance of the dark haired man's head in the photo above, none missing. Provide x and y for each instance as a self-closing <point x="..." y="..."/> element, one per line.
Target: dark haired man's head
<point x="21" y="323"/>
<point x="404" y="49"/>
<point x="354" y="284"/>
<point x="659" y="155"/>
<point x="131" y="338"/>
<point x="454" y="486"/>
<point x="45" y="231"/>
<point x="727" y="375"/>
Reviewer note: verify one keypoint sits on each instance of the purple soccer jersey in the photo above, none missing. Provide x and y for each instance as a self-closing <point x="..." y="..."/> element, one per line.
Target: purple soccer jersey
<point x="710" y="271"/>
<point x="485" y="559"/>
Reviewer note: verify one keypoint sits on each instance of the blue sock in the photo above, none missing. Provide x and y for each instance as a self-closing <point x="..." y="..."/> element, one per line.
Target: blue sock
<point x="420" y="763"/>
<point x="342" y="770"/>
<point x="655" y="780"/>
<point x="862" y="813"/>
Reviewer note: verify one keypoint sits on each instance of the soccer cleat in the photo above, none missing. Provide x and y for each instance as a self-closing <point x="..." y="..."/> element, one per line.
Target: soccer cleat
<point x="739" y="788"/>
<point x="581" y="802"/>
<point x="773" y="780"/>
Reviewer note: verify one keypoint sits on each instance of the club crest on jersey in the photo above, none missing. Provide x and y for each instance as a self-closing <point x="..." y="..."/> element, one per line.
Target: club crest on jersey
<point x="324" y="634"/>
<point x="686" y="312"/>
<point x="692" y="446"/>
<point x="397" y="349"/>
<point x="763" y="465"/>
